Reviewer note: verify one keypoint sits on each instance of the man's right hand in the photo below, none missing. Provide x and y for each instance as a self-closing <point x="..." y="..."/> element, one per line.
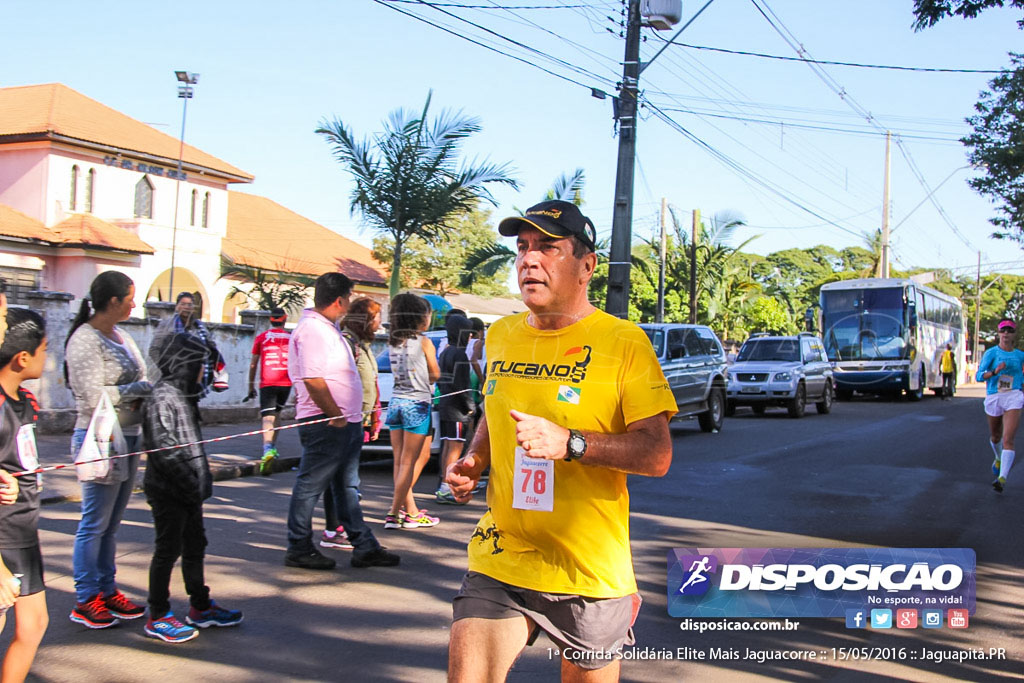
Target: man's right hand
<point x="999" y="368"/>
<point x="9" y="492"/>
<point x="462" y="477"/>
<point x="7" y="594"/>
<point x="250" y="396"/>
<point x="338" y="422"/>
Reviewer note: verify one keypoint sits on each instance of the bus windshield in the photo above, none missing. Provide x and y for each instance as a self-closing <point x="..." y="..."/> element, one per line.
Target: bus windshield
<point x="864" y="324"/>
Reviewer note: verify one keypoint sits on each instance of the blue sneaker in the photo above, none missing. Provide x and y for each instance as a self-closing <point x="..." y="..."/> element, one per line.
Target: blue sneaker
<point x="170" y="630"/>
<point x="213" y="616"/>
<point x="996" y="464"/>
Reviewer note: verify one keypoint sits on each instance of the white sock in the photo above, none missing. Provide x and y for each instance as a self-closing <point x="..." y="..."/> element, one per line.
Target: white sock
<point x="1007" y="462"/>
<point x="330" y="534"/>
<point x="997" y="448"/>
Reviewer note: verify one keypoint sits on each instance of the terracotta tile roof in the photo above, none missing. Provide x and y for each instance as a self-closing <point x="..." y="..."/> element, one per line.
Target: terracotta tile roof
<point x="14" y="223"/>
<point x="55" y="109"/>
<point x="87" y="230"/>
<point x="264" y="234"/>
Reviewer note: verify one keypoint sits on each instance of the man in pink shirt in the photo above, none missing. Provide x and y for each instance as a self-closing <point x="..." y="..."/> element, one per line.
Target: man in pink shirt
<point x="327" y="385"/>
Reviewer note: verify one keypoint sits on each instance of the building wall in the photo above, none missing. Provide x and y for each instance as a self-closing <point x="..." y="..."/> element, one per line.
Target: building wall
<point x="23" y="178"/>
<point x="233" y="341"/>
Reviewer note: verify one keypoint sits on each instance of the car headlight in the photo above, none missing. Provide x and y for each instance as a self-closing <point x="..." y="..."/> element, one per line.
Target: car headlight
<point x="892" y="368"/>
<point x="783" y="377"/>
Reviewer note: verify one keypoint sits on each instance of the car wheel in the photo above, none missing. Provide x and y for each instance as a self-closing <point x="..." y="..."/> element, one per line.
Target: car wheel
<point x="711" y="419"/>
<point x="844" y="394"/>
<point x="916" y="394"/>
<point x="796" y="406"/>
<point x="824" y="406"/>
<point x="730" y="408"/>
<point x="758" y="408"/>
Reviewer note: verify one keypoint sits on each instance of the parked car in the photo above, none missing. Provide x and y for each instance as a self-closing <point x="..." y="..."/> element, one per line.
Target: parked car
<point x="693" y="361"/>
<point x="781" y="371"/>
<point x="386" y="384"/>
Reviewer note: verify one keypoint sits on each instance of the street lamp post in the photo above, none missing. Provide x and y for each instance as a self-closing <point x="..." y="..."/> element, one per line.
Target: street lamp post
<point x="185" y="92"/>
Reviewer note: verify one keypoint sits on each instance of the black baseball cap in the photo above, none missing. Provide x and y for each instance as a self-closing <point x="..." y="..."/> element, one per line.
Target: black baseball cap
<point x="555" y="218"/>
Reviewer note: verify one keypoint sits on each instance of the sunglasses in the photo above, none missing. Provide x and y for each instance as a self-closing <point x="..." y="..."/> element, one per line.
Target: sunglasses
<point x="1008" y="330"/>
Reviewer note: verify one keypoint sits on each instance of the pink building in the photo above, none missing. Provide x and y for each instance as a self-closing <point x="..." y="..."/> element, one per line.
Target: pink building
<point x="85" y="189"/>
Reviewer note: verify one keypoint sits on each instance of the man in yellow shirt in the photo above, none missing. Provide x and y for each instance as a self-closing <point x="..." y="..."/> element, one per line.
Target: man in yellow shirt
<point x="947" y="365"/>
<point x="574" y="401"/>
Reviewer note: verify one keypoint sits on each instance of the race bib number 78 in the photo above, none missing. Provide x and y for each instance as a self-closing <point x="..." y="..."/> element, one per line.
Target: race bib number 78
<point x="533" y="483"/>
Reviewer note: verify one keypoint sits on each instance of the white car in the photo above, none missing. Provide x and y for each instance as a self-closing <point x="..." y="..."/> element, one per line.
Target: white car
<point x="386" y="384"/>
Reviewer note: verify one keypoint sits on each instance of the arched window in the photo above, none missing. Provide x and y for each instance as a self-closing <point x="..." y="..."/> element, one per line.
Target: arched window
<point x="144" y="198"/>
<point x="206" y="210"/>
<point x="192" y="214"/>
<point x="90" y="185"/>
<point x="73" y="199"/>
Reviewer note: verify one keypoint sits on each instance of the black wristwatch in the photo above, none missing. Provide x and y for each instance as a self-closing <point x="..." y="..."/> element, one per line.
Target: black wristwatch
<point x="576" y="446"/>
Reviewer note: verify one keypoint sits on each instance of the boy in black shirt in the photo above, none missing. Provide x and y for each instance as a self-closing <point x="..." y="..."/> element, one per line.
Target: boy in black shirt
<point x="456" y="411"/>
<point x="22" y="356"/>
<point x="176" y="483"/>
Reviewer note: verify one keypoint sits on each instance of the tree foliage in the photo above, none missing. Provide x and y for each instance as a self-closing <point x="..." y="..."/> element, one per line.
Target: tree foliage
<point x="927" y="13"/>
<point x="409" y="180"/>
<point x="439" y="264"/>
<point x="268" y="289"/>
<point x="997" y="144"/>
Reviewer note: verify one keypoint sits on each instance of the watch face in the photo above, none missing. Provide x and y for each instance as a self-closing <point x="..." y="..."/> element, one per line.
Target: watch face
<point x="578" y="444"/>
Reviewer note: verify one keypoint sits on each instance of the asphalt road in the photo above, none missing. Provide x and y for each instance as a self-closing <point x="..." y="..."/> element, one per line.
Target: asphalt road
<point x="873" y="473"/>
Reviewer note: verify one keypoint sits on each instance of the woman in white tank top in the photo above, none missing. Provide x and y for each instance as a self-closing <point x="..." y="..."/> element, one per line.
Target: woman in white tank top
<point x="414" y="367"/>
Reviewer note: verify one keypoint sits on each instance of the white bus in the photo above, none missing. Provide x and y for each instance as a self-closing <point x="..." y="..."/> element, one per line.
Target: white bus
<point x="887" y="335"/>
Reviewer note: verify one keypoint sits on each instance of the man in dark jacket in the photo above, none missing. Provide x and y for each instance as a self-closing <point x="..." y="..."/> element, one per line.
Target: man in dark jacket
<point x="457" y="409"/>
<point x="177" y="482"/>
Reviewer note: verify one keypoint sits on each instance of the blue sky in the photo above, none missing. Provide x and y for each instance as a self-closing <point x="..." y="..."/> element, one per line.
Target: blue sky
<point x="271" y="71"/>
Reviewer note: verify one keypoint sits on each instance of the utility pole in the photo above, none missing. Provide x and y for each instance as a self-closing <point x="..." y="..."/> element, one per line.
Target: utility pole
<point x="693" y="267"/>
<point x="977" y="315"/>
<point x="617" y="302"/>
<point x="662" y="248"/>
<point x="885" y="209"/>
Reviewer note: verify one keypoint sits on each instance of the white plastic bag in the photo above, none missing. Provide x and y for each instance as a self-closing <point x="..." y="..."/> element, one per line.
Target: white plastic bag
<point x="101" y="439"/>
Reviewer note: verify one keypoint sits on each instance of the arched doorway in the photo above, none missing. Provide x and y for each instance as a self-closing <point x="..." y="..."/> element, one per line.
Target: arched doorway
<point x="184" y="281"/>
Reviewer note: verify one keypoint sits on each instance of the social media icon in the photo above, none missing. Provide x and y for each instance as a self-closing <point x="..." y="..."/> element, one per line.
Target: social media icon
<point x="881" y="618"/>
<point x="931" y="618"/>
<point x="957" y="618"/>
<point x="856" y="618"/>
<point x="906" y="618"/>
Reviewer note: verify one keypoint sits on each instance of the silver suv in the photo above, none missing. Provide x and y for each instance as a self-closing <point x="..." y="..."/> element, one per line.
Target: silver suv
<point x="781" y="371"/>
<point x="693" y="361"/>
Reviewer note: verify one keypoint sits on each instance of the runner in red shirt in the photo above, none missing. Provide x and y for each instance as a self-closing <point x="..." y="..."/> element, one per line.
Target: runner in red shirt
<point x="270" y="357"/>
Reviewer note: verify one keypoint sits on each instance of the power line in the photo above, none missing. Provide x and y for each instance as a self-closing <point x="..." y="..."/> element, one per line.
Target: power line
<point x="452" y="4"/>
<point x="788" y="124"/>
<point x="385" y="3"/>
<point x="739" y="168"/>
<point x="808" y="60"/>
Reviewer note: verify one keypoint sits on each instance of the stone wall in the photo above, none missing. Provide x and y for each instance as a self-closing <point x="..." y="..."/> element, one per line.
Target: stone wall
<point x="234" y="341"/>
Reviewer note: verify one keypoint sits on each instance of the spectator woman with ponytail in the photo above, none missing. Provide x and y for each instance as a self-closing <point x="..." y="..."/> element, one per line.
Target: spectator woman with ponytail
<point x="102" y="359"/>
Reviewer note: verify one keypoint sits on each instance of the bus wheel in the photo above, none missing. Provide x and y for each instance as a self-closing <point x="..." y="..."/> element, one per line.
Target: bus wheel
<point x="916" y="394"/>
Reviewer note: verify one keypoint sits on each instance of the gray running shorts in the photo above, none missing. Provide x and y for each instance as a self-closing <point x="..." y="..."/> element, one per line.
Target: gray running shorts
<point x="588" y="631"/>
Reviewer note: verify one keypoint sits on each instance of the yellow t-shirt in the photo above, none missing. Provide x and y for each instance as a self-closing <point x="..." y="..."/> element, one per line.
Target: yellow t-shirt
<point x="599" y="375"/>
<point x="947" y="361"/>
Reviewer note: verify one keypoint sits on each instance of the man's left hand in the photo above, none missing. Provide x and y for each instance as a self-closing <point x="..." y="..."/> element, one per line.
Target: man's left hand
<point x="9" y="492"/>
<point x="540" y="438"/>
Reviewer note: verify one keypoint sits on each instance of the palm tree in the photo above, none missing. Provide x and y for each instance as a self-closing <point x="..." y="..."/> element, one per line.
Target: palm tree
<point x="268" y="288"/>
<point x="409" y="179"/>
